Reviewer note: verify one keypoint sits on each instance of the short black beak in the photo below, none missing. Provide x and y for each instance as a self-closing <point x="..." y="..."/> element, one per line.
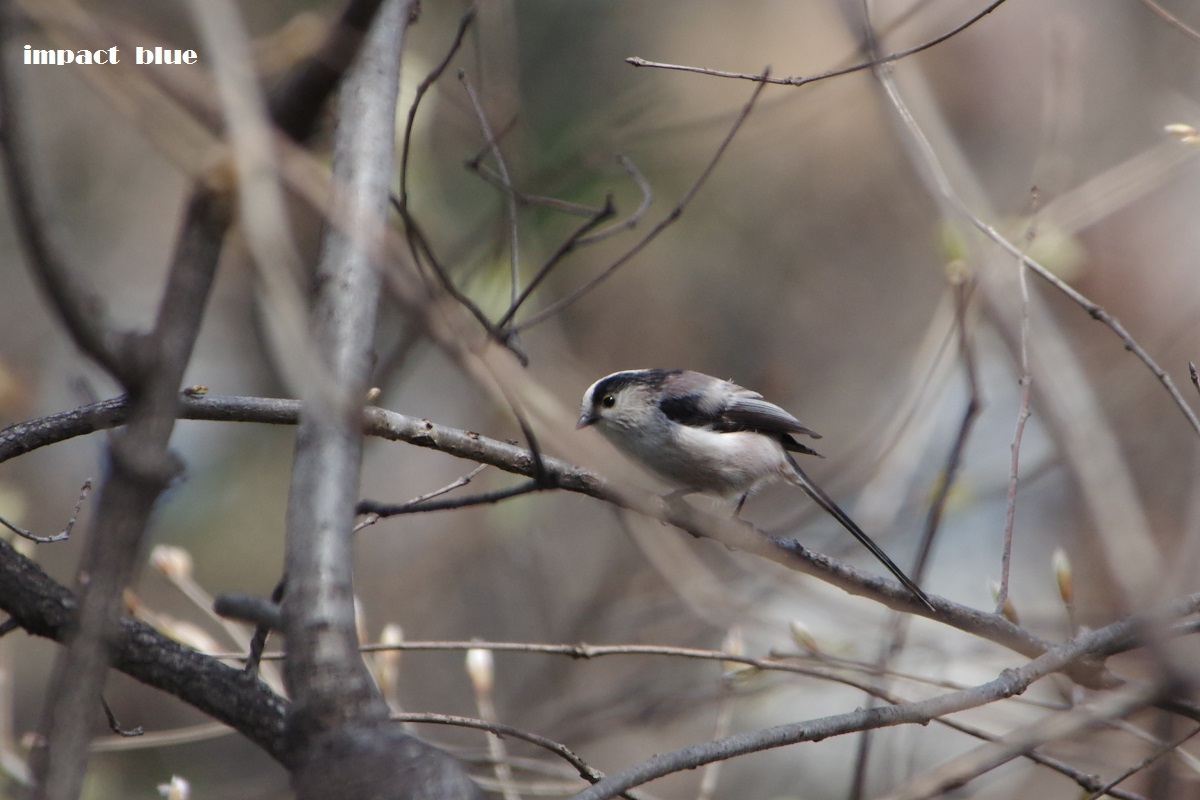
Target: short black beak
<point x="585" y="420"/>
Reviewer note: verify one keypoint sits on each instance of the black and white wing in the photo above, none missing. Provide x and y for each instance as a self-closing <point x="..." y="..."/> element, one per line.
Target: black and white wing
<point x="699" y="400"/>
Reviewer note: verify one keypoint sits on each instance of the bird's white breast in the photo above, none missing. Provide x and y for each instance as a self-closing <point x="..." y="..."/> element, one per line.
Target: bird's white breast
<point x="699" y="459"/>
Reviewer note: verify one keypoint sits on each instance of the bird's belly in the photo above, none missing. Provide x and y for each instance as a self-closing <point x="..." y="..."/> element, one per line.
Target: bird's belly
<point x="726" y="464"/>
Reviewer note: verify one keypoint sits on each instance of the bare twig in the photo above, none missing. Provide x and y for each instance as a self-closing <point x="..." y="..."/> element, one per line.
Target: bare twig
<point x="1088" y="782"/>
<point x="510" y="197"/>
<point x="674" y="214"/>
<point x="422" y="88"/>
<point x="634" y="218"/>
<point x="1025" y="381"/>
<point x="115" y="726"/>
<point x="384" y="510"/>
<point x="568" y="245"/>
<point x="1172" y="20"/>
<point x="1062" y="725"/>
<point x="962" y="292"/>
<point x="419" y="246"/>
<point x="1132" y="555"/>
<point x="1011" y="682"/>
<point x="794" y="81"/>
<point x="418" y="243"/>
<point x="1164" y="748"/>
<point x="588" y="773"/>
<point x="262" y="630"/>
<point x="457" y="483"/>
<point x="1094" y="310"/>
<point x="62" y="535"/>
<point x="579" y="210"/>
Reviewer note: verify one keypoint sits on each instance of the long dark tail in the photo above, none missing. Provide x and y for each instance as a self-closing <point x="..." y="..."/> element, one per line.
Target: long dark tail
<point x="832" y="509"/>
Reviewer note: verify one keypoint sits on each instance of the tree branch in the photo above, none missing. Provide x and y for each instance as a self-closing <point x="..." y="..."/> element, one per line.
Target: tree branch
<point x="23" y="437"/>
<point x="43" y="607"/>
<point x="140" y="467"/>
<point x="81" y="311"/>
<point x="1009" y="683"/>
<point x="345" y="745"/>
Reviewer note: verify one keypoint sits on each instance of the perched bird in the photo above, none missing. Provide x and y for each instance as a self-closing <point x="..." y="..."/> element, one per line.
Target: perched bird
<point x="703" y="434"/>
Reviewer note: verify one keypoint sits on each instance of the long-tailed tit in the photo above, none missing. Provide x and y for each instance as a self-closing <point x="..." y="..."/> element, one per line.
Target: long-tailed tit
<point x="704" y="434"/>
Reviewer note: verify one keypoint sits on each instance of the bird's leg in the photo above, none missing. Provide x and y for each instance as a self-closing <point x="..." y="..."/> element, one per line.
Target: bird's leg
<point x="674" y="498"/>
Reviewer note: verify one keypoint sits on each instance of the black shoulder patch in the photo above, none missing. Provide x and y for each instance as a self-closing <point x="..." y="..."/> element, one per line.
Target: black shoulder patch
<point x="688" y="410"/>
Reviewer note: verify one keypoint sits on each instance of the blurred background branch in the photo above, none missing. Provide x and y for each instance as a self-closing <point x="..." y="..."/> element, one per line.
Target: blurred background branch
<point x="809" y="263"/>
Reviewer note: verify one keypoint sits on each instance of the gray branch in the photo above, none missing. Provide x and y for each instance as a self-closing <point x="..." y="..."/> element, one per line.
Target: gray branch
<point x="345" y="744"/>
<point x="557" y="473"/>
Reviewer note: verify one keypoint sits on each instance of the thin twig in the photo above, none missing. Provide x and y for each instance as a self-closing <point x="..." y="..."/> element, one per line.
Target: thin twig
<point x="383" y="510"/>
<point x="587" y="772"/>
<point x="1025" y="381"/>
<point x="1009" y="683"/>
<point x="418" y="243"/>
<point x="630" y="222"/>
<point x="794" y="81"/>
<point x="1061" y="726"/>
<point x="1172" y="20"/>
<point x="569" y="244"/>
<point x="1094" y="310"/>
<point x="62" y="535"/>
<point x="422" y="88"/>
<point x="457" y="483"/>
<point x="673" y="215"/>
<point x="115" y="726"/>
<point x="835" y="671"/>
<point x="510" y="197"/>
<point x="258" y="642"/>
<point x="1165" y="748"/>
<point x="962" y="291"/>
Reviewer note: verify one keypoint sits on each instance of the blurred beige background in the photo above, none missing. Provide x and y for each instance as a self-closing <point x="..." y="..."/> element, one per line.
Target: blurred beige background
<point x="810" y="267"/>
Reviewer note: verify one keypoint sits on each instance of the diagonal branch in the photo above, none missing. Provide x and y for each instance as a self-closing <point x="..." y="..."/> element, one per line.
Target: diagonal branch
<point x="43" y="607"/>
<point x="1009" y="683"/>
<point x="674" y="214"/>
<point x="23" y="437"/>
<point x="833" y="73"/>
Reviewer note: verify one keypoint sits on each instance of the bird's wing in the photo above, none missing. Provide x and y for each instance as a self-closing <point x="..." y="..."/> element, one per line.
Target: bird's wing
<point x="748" y="411"/>
<point x="700" y="401"/>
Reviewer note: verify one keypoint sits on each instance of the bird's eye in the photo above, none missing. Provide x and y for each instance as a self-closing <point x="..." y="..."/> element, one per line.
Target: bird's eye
<point x="608" y="401"/>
